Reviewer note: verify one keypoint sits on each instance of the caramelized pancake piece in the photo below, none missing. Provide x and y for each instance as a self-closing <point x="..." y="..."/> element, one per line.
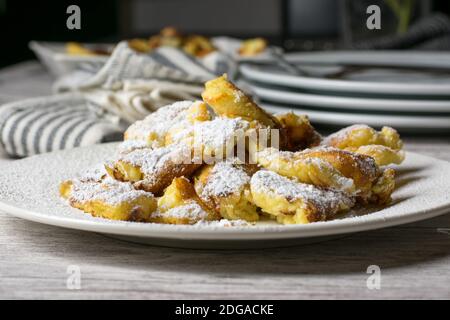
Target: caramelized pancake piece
<point x="362" y="169"/>
<point x="252" y="47"/>
<point x="225" y="187"/>
<point x="198" y="46"/>
<point x="299" y="131"/>
<point x="210" y="138"/>
<point x="169" y="31"/>
<point x="355" y="136"/>
<point x="229" y="101"/>
<point x="153" y="170"/>
<point x="176" y="194"/>
<point x="181" y="205"/>
<point x="291" y="202"/>
<point x="383" y="187"/>
<point x="314" y="171"/>
<point x="140" y="45"/>
<point x="105" y="197"/>
<point x="383" y="155"/>
<point x="77" y="49"/>
<point x="168" y="36"/>
<point x="94" y="174"/>
<point x="154" y="127"/>
<point x="373" y="184"/>
<point x="330" y="167"/>
<point x="189" y="213"/>
<point x="384" y="146"/>
<point x="198" y="112"/>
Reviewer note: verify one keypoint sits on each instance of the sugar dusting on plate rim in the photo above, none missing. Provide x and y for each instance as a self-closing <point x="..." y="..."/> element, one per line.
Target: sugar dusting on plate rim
<point x="90" y="155"/>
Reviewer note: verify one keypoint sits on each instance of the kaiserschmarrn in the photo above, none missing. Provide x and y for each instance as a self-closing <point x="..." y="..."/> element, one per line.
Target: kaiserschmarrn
<point x="194" y="162"/>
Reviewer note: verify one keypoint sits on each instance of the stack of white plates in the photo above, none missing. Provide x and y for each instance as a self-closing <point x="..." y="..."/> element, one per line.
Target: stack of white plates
<point x="406" y="90"/>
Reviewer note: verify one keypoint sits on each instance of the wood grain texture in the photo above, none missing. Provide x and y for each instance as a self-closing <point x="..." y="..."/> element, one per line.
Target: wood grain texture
<point x="414" y="261"/>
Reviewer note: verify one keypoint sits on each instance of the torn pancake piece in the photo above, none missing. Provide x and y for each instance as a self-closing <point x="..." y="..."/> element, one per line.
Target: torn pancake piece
<point x="311" y="170"/>
<point x="357" y="135"/>
<point x="153" y="170"/>
<point x="382" y="155"/>
<point x="227" y="100"/>
<point x="299" y="131"/>
<point x="154" y="127"/>
<point x="225" y="187"/>
<point x="101" y="196"/>
<point x="180" y="204"/>
<point x="211" y="139"/>
<point x="291" y="202"/>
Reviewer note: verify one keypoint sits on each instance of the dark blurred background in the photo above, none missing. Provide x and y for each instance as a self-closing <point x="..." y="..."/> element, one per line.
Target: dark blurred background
<point x="295" y="24"/>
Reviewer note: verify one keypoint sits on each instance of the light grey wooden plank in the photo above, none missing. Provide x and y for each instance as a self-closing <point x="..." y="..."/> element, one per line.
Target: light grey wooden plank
<point x="414" y="258"/>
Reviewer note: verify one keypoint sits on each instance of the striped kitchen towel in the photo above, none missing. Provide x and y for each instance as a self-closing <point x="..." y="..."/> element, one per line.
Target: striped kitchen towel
<point x="46" y="124"/>
<point x="165" y="63"/>
<point x="92" y="107"/>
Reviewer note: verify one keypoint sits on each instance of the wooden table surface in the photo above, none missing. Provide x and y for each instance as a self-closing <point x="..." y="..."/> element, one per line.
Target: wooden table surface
<point x="414" y="259"/>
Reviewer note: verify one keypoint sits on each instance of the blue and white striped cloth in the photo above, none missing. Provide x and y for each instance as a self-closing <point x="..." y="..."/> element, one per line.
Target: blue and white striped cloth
<point x="96" y="106"/>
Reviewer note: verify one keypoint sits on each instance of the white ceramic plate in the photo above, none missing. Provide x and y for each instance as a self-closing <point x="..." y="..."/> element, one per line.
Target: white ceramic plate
<point x="29" y="189"/>
<point x="386" y="83"/>
<point x="408" y="123"/>
<point x="351" y="103"/>
<point x="54" y="56"/>
<point x="408" y="58"/>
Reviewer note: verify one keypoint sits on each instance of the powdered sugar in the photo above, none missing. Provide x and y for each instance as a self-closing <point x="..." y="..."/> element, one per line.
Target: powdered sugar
<point x="109" y="191"/>
<point x="280" y="161"/>
<point x="219" y="132"/>
<point x="130" y="145"/>
<point x="238" y="95"/>
<point x="152" y="161"/>
<point x="225" y="178"/>
<point x="271" y="183"/>
<point x="224" y="223"/>
<point x="343" y="133"/>
<point x="341" y="182"/>
<point x="192" y="212"/>
<point x="158" y="123"/>
<point x="365" y="164"/>
<point x="272" y="154"/>
<point x="93" y="174"/>
<point x="214" y="135"/>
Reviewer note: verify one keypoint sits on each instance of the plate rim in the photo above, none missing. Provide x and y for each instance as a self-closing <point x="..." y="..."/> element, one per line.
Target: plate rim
<point x="209" y="233"/>
<point x="392" y="57"/>
<point x="344" y="86"/>
<point x="335" y="117"/>
<point x="352" y="103"/>
<point x="217" y="233"/>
